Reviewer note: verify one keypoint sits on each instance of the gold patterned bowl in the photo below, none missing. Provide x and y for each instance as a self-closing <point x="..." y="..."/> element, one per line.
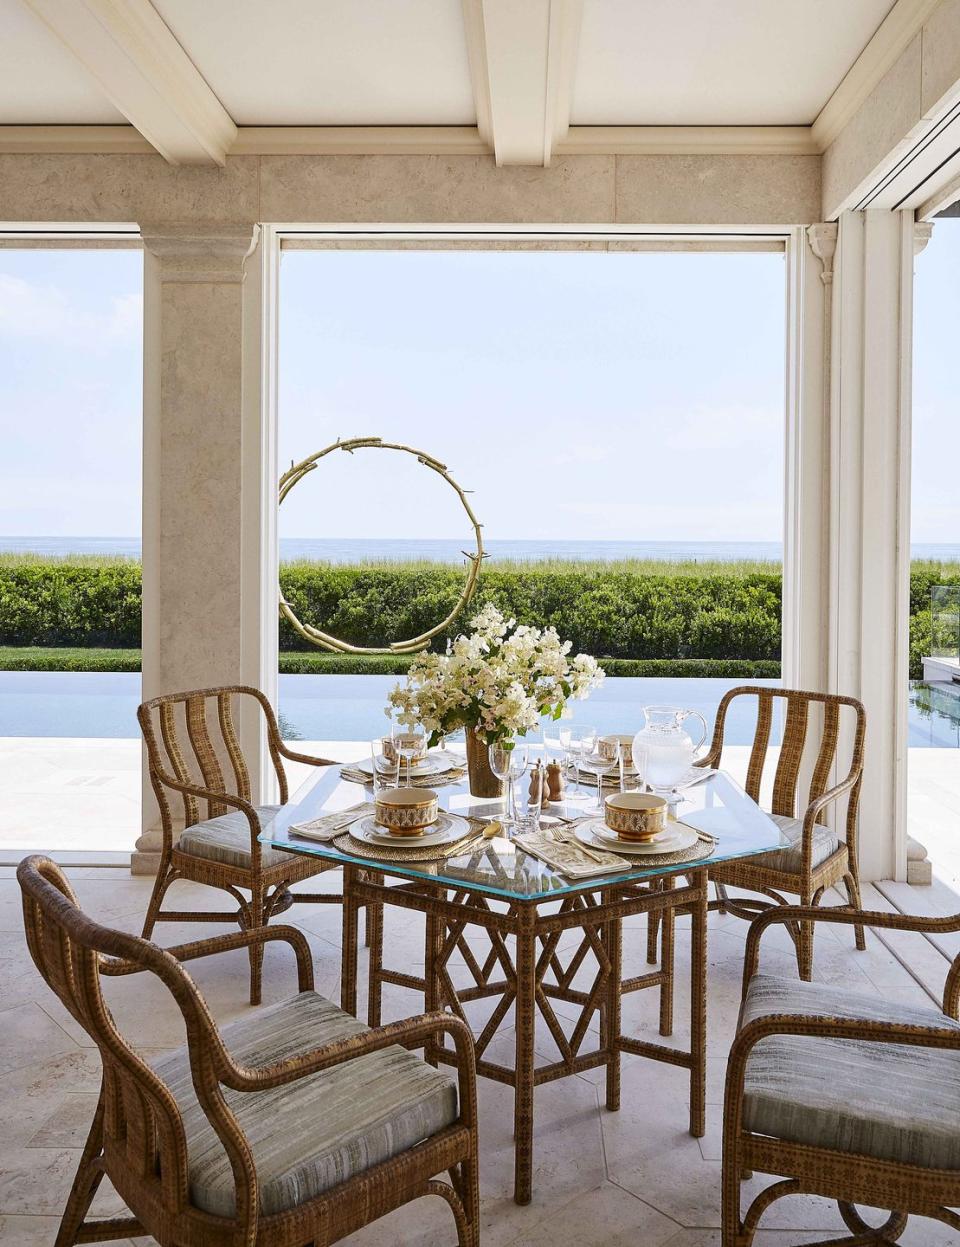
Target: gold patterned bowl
<point x="407" y="811"/>
<point x="607" y="747"/>
<point x="635" y="815"/>
<point x="412" y="740"/>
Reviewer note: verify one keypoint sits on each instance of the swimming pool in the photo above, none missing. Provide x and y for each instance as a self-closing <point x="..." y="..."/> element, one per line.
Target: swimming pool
<point x="350" y="707"/>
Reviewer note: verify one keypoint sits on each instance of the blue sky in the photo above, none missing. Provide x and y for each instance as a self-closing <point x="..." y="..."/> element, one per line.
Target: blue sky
<point x="581" y="395"/>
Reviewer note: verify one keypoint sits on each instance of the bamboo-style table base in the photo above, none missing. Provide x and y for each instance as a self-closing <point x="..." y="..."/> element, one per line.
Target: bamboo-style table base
<point x="529" y="973"/>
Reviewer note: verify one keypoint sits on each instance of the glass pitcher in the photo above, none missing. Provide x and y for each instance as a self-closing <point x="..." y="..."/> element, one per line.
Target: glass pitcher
<point x="670" y="750"/>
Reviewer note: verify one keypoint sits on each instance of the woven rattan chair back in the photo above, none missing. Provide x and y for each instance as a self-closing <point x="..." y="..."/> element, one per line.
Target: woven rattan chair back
<point x="798" y="728"/>
<point x="193" y="738"/>
<point x="823" y="738"/>
<point x="197" y="769"/>
<point x="142" y="1131"/>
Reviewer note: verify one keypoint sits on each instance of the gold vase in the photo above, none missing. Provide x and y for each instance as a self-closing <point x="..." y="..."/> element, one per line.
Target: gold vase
<point x="483" y="782"/>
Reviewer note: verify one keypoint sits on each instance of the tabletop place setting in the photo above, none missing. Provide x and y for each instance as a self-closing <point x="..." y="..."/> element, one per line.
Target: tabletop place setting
<point x="488" y="807"/>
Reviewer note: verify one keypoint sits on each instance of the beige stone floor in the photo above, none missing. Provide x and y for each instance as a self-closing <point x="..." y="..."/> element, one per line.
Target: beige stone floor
<point x="633" y="1177"/>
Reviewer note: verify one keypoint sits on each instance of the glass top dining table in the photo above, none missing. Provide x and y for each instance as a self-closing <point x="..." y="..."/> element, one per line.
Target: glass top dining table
<point x="499" y="867"/>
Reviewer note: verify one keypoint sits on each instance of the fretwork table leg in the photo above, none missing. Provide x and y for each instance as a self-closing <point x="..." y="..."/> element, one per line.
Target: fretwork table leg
<point x="611" y="1018"/>
<point x="374" y="932"/>
<point x="698" y="1007"/>
<point x="667" y="957"/>
<point x="348" y="964"/>
<point x="523" y="1089"/>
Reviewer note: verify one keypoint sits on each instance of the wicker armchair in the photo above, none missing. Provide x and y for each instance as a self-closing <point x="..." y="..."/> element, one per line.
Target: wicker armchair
<point x="191" y="739"/>
<point x="293" y="1125"/>
<point x="816" y="858"/>
<point x="844" y="1096"/>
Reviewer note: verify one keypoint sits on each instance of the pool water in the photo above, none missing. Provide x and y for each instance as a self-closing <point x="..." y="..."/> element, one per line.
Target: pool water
<point x="350" y="707"/>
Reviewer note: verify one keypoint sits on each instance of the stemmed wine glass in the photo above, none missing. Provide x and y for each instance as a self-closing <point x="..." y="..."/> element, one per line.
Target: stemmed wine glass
<point x="600" y="764"/>
<point x="508" y="761"/>
<point x="583" y="742"/>
<point x="408" y="744"/>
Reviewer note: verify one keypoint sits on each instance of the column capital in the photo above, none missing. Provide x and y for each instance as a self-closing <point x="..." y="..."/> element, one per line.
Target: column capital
<point x="200" y="253"/>
<point x="922" y="233"/>
<point x="823" y="243"/>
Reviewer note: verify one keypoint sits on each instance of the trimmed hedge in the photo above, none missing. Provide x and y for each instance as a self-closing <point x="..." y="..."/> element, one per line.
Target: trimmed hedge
<point x="60" y="602"/>
<point x="632" y="614"/>
<point x="613" y="613"/>
<point x="33" y="658"/>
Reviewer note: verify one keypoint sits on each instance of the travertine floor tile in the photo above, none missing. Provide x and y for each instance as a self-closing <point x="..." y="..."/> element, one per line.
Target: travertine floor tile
<point x="19" y="1231"/>
<point x="632" y="1177"/>
<point x="29" y="1035"/>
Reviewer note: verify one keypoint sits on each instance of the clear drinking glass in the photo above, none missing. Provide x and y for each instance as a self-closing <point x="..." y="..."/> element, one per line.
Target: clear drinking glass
<point x="531" y="797"/>
<point x="508" y="761"/>
<point x="600" y="764"/>
<point x="386" y="766"/>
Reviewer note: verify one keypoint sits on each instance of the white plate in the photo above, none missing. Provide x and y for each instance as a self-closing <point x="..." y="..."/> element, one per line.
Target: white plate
<point x="597" y="835"/>
<point x="435" y="763"/>
<point x="447" y="827"/>
<point x="664" y="840"/>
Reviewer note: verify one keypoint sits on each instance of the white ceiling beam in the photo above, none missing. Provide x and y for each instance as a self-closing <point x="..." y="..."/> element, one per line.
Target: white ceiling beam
<point x="894" y="34"/>
<point x="522" y="61"/>
<point x="145" y="73"/>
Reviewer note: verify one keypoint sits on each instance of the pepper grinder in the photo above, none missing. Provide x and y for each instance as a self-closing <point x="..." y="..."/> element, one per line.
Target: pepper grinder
<point x="554" y="790"/>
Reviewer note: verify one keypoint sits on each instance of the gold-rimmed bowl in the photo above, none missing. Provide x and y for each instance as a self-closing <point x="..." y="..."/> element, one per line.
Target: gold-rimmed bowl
<point x="635" y="816"/>
<point x="607" y="747"/>
<point x="407" y="811"/>
<point x="414" y="741"/>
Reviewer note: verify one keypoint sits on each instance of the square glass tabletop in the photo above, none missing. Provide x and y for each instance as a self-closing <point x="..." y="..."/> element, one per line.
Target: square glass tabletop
<point x="499" y="867"/>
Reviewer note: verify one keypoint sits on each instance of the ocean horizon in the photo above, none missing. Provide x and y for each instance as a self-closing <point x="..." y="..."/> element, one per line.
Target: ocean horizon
<point x="362" y="549"/>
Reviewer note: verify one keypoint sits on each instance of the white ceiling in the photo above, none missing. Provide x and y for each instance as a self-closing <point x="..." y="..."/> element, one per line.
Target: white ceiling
<point x="405" y="62"/>
<point x="40" y="82"/>
<point x="336" y="63"/>
<point x="716" y="62"/>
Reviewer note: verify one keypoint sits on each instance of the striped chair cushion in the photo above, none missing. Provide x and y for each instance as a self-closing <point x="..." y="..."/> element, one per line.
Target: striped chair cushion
<point x="888" y="1101"/>
<point x="789" y="859"/>
<point x="227" y="839"/>
<point x="317" y="1132"/>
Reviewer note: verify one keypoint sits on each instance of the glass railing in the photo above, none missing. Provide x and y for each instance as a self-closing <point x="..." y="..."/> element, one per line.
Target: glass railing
<point x="945" y="621"/>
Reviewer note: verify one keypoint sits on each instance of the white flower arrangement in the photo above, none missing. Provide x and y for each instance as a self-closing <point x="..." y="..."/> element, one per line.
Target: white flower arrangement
<point x="499" y="680"/>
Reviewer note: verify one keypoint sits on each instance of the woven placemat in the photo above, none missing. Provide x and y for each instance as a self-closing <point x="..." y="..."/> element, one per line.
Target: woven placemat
<point x="692" y="853"/>
<point x="695" y="852"/>
<point x="428" y="853"/>
<point x="354" y="775"/>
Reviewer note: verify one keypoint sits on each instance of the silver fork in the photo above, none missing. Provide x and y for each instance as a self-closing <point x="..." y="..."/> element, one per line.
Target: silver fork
<point x="563" y="836"/>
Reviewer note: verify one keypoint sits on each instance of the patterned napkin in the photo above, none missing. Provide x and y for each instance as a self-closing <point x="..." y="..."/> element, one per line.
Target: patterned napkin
<point x="572" y="860"/>
<point x="328" y="826"/>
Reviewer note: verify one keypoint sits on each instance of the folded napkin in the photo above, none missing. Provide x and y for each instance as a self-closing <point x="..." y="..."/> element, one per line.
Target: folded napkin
<point x="571" y="860"/>
<point x="329" y="826"/>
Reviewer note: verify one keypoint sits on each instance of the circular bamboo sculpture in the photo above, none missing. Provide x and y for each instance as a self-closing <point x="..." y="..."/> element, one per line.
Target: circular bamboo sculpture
<point x="297" y="471"/>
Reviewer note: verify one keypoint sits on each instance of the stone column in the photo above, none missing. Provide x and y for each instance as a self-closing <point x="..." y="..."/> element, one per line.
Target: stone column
<point x="204" y="480"/>
<point x="868" y="620"/>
